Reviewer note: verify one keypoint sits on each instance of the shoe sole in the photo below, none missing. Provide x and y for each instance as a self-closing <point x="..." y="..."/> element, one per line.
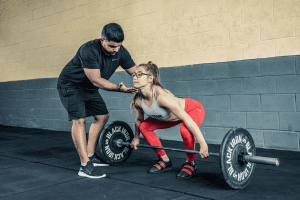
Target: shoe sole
<point x="160" y="171"/>
<point x="97" y="165"/>
<point x="88" y="176"/>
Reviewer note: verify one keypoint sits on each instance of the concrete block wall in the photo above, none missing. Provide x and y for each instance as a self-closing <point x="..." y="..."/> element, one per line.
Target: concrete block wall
<point x="38" y="37"/>
<point x="259" y="95"/>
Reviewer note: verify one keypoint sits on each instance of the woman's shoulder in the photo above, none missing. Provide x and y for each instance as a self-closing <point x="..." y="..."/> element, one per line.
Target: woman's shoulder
<point x="162" y="91"/>
<point x="138" y="100"/>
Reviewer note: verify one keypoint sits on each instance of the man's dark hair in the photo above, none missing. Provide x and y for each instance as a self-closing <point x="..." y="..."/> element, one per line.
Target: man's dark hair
<point x="113" y="32"/>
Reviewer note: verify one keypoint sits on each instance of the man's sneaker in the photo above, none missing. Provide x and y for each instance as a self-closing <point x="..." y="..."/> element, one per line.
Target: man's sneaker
<point x="97" y="161"/>
<point x="161" y="166"/>
<point x="188" y="170"/>
<point x="90" y="171"/>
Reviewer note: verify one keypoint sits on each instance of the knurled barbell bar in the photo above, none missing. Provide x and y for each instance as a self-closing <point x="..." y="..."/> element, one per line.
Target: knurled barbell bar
<point x="237" y="152"/>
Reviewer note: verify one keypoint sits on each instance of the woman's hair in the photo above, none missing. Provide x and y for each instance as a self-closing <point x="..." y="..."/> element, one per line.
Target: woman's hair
<point x="153" y="69"/>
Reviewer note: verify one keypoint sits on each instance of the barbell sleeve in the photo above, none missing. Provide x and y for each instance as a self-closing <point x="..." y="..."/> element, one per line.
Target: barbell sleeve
<point x="262" y="160"/>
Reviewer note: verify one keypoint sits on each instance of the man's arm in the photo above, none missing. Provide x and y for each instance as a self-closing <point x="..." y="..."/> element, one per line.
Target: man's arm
<point x="131" y="70"/>
<point x="95" y="77"/>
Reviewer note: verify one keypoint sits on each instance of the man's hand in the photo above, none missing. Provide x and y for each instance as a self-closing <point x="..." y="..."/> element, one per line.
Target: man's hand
<point x="123" y="88"/>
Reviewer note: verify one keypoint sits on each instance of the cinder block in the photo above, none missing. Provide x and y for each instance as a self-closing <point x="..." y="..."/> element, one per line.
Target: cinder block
<point x="35" y="103"/>
<point x="51" y="93"/>
<point x="41" y="123"/>
<point x="61" y="125"/>
<point x="258" y="137"/>
<point x="45" y="113"/>
<point x="191" y="72"/>
<point x="242" y="35"/>
<point x="215" y="38"/>
<point x="279" y="102"/>
<point x="58" y="113"/>
<point x="298" y="64"/>
<point x="298" y="102"/>
<point x="278" y="65"/>
<point x="287" y="46"/>
<point x="214" y="135"/>
<point x="230" y="86"/>
<point x="257" y="14"/>
<point x="210" y="118"/>
<point x="231" y="119"/>
<point x="203" y="87"/>
<point x="21" y="112"/>
<point x="288" y="84"/>
<point x="281" y="140"/>
<point x="179" y="88"/>
<point x="289" y="121"/>
<point x="260" y="85"/>
<point x="120" y="115"/>
<point x="169" y="73"/>
<point x="112" y="103"/>
<point x="245" y="68"/>
<point x="125" y="103"/>
<point x="245" y="103"/>
<point x="277" y="29"/>
<point x="263" y="120"/>
<point x="216" y="70"/>
<point x="286" y="9"/>
<point x="218" y="102"/>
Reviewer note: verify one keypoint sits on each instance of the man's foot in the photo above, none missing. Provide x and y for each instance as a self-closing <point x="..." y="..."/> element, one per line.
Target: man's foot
<point x="97" y="161"/>
<point x="161" y="166"/>
<point x="90" y="171"/>
<point x="188" y="170"/>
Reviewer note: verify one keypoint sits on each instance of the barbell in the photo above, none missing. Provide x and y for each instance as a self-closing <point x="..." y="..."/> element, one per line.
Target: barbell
<point x="237" y="152"/>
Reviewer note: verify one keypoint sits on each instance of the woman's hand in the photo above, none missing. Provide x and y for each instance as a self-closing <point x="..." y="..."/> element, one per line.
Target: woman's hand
<point x="203" y="150"/>
<point x="134" y="142"/>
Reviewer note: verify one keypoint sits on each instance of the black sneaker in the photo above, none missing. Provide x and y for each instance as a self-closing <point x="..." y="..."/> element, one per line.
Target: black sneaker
<point x="161" y="166"/>
<point x="97" y="161"/>
<point x="188" y="170"/>
<point x="90" y="171"/>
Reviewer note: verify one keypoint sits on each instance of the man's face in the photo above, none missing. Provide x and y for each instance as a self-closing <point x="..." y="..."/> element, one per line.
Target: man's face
<point x="111" y="47"/>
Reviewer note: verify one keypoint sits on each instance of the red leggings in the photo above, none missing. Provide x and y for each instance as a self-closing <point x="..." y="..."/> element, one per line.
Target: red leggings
<point x="194" y="109"/>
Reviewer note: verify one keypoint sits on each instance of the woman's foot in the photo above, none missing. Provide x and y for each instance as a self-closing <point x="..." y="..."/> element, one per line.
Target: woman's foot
<point x="188" y="170"/>
<point x="161" y="166"/>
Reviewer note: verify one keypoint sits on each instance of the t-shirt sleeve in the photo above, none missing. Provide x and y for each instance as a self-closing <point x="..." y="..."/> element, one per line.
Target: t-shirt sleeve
<point x="126" y="61"/>
<point x="88" y="58"/>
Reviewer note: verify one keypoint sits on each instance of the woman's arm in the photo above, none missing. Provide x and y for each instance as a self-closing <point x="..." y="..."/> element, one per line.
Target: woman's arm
<point x="138" y="120"/>
<point x="168" y="101"/>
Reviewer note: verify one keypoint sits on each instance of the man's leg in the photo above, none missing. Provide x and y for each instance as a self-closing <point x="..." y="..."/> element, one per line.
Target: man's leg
<point x="79" y="139"/>
<point x="94" y="132"/>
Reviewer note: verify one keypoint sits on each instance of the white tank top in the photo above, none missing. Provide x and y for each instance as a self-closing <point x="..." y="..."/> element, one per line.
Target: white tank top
<point x="155" y="111"/>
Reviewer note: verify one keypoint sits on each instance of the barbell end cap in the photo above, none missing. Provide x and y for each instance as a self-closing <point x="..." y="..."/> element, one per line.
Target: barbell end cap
<point x="277" y="162"/>
<point x="119" y="143"/>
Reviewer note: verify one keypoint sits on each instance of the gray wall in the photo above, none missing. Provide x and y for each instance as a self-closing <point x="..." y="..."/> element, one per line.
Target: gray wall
<point x="261" y="95"/>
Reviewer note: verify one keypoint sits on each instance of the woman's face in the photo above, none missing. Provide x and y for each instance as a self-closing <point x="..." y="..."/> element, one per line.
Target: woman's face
<point x="141" y="77"/>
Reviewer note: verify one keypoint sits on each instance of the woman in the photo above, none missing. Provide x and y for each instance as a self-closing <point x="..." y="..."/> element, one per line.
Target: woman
<point x="165" y="111"/>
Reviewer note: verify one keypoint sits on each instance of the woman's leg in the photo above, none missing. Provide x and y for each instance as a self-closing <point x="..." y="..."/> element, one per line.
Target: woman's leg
<point x="147" y="128"/>
<point x="197" y="113"/>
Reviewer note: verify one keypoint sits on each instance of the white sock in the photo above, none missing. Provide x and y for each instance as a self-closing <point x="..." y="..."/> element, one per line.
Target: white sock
<point x="84" y="164"/>
<point x="91" y="155"/>
<point x="166" y="160"/>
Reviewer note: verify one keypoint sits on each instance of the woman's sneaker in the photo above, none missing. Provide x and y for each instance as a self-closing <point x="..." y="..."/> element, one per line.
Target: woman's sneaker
<point x="188" y="170"/>
<point x="161" y="166"/>
<point x="97" y="161"/>
<point x="90" y="171"/>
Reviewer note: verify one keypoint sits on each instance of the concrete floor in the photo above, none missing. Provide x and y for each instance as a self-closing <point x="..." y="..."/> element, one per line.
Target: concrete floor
<point x="43" y="164"/>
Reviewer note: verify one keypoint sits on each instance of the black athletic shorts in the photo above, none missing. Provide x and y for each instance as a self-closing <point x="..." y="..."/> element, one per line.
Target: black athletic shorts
<point x="81" y="103"/>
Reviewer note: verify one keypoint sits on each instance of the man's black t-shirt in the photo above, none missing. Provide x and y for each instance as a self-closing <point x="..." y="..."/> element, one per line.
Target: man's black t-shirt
<point x="91" y="56"/>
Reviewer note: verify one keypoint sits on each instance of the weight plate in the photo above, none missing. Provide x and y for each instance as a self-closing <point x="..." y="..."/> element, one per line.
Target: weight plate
<point x="237" y="173"/>
<point x="109" y="151"/>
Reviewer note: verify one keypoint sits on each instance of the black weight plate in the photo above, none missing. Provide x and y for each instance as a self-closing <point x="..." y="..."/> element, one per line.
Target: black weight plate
<point x="237" y="174"/>
<point x="109" y="151"/>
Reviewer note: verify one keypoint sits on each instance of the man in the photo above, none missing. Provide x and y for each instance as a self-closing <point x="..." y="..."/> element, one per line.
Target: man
<point x="78" y="83"/>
